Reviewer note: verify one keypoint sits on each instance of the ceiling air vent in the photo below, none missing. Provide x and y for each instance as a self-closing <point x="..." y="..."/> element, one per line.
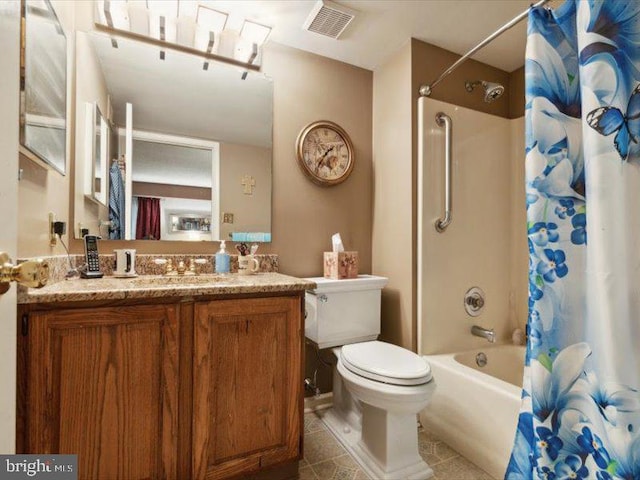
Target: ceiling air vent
<point x="329" y="19"/>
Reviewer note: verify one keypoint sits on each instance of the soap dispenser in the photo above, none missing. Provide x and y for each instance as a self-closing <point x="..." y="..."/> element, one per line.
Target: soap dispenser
<point x="223" y="260"/>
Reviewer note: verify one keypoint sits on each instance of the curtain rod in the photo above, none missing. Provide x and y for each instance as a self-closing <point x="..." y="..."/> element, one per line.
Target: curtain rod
<point x="425" y="90"/>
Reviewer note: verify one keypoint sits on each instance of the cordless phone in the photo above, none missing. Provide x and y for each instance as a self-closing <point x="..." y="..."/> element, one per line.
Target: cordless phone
<point x="92" y="269"/>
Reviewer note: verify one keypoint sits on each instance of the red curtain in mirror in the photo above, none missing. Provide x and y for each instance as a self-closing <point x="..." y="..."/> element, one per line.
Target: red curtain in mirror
<point x="148" y="224"/>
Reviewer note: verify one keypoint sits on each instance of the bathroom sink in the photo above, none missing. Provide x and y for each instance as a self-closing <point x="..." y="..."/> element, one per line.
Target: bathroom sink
<point x="157" y="281"/>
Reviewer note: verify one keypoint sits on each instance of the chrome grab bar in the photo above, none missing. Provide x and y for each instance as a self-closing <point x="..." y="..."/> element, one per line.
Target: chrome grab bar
<point x="443" y="119"/>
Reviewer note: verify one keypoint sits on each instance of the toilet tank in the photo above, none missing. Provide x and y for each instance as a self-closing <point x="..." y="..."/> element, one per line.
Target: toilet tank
<point x="339" y="312"/>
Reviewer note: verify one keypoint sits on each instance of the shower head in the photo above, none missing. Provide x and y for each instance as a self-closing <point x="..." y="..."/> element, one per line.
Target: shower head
<point x="492" y="91"/>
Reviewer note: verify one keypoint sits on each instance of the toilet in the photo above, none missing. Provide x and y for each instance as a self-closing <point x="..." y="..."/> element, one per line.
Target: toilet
<point x="378" y="388"/>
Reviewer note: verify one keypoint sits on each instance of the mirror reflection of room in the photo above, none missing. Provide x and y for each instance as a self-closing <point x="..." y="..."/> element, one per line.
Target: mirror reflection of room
<point x="190" y="143"/>
<point x="172" y="191"/>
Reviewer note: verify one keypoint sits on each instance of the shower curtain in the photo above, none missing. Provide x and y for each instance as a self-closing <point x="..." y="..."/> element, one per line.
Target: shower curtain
<point x="580" y="415"/>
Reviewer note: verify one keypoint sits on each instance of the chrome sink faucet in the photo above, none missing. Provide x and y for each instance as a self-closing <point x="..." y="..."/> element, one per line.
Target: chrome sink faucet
<point x="180" y="269"/>
<point x="490" y="335"/>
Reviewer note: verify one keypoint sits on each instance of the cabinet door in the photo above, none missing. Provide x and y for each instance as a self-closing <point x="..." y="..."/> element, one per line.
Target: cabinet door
<point x="247" y="385"/>
<point x="102" y="384"/>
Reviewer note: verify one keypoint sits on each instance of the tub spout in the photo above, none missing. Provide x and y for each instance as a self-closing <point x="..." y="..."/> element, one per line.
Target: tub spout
<point x="490" y="335"/>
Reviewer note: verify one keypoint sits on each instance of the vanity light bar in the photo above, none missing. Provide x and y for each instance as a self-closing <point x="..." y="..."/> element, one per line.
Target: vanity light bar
<point x="175" y="47"/>
<point x="167" y="18"/>
<point x="109" y="20"/>
<point x="254" y="53"/>
<point x="162" y="34"/>
<point x="253" y="56"/>
<point x="212" y="40"/>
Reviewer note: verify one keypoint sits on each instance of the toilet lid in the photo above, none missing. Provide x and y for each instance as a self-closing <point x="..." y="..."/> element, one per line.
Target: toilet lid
<point x="387" y="363"/>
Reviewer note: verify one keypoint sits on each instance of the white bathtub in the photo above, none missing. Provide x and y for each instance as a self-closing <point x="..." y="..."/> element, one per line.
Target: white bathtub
<point x="475" y="409"/>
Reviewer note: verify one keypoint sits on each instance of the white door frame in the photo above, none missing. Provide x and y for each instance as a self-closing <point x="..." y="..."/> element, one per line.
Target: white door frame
<point x="9" y="140"/>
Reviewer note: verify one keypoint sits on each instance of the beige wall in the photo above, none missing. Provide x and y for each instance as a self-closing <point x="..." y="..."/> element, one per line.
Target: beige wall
<point x="308" y="88"/>
<point x="516" y="93"/>
<point x="91" y="88"/>
<point x="518" y="301"/>
<point x="392" y="239"/>
<point x="251" y="213"/>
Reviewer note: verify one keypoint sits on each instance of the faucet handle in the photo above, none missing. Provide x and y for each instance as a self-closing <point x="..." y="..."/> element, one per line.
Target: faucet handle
<point x="167" y="263"/>
<point x="192" y="267"/>
<point x="181" y="268"/>
<point x="475" y="301"/>
<point x="194" y="262"/>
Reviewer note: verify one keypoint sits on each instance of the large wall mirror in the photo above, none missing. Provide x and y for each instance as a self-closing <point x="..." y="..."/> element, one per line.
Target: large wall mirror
<point x="192" y="145"/>
<point x="43" y="96"/>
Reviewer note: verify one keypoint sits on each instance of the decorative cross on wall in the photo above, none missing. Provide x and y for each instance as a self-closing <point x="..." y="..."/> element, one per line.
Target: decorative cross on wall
<point x="248" y="182"/>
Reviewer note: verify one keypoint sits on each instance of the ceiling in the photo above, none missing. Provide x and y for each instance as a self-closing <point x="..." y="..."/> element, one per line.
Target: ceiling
<point x="171" y="164"/>
<point x="383" y="26"/>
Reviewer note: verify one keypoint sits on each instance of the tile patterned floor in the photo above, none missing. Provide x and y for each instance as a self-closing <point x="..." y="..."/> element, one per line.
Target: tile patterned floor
<point x="325" y="459"/>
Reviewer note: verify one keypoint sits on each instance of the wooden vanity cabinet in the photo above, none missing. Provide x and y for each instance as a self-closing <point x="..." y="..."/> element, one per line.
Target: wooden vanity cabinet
<point x="247" y="381"/>
<point x="183" y="390"/>
<point x="102" y="384"/>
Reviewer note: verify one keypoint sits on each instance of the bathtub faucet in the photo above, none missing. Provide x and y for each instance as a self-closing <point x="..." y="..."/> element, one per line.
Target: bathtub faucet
<point x="484" y="332"/>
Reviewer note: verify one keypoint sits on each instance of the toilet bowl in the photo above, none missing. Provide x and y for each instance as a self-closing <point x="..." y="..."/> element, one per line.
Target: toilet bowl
<point x="378" y="388"/>
<point x="387" y="444"/>
<point x="386" y="376"/>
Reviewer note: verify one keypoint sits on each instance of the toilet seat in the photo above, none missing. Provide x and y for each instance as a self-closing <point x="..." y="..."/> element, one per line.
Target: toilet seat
<point x="385" y="363"/>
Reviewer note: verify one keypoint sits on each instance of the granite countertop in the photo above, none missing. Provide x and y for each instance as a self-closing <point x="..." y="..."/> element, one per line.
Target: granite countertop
<point x="152" y="286"/>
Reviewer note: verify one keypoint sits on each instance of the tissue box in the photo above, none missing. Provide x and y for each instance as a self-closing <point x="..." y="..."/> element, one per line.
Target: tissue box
<point x="339" y="265"/>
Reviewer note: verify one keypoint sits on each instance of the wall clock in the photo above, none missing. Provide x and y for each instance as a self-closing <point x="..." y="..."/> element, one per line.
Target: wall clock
<point x="325" y="153"/>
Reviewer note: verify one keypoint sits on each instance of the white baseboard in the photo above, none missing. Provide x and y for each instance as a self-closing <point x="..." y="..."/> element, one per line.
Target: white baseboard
<point x="319" y="402"/>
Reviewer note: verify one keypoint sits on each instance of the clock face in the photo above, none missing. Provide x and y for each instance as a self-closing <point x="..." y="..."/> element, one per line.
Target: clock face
<point x="325" y="153"/>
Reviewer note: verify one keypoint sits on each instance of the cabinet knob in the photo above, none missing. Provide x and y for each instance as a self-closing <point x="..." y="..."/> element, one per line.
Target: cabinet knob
<point x="34" y="273"/>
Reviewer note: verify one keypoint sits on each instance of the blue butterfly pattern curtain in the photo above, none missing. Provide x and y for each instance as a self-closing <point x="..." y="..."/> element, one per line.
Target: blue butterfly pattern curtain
<point x="580" y="415"/>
